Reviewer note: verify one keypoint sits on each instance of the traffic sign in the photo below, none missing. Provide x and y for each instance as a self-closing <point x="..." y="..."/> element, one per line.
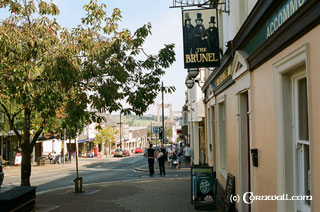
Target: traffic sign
<point x="156" y="129"/>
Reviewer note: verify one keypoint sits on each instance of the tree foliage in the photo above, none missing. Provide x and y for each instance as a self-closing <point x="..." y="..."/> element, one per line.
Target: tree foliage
<point x="106" y="136"/>
<point x="50" y="72"/>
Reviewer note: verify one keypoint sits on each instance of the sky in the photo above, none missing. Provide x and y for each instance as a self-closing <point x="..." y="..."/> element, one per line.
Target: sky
<point x="166" y="29"/>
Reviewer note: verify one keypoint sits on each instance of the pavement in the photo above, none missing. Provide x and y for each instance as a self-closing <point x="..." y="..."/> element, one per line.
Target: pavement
<point x="146" y="194"/>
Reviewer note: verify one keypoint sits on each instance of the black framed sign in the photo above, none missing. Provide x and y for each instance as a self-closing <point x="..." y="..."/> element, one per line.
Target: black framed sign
<point x="200" y="38"/>
<point x="229" y="192"/>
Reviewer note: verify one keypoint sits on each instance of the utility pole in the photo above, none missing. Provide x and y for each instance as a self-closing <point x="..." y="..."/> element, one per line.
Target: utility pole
<point x="120" y="132"/>
<point x="151" y="134"/>
<point x="162" y="140"/>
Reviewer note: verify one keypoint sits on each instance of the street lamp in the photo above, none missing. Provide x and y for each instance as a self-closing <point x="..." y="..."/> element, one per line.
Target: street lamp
<point x="189" y="82"/>
<point x="193" y="72"/>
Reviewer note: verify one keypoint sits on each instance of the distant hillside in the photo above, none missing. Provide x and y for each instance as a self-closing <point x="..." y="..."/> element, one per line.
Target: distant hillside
<point x="134" y="121"/>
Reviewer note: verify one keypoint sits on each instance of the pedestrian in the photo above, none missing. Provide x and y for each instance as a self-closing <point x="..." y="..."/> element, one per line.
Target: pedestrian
<point x="151" y="154"/>
<point x="180" y="157"/>
<point x="187" y="153"/>
<point x="170" y="154"/>
<point x="51" y="157"/>
<point x="162" y="159"/>
<point x="55" y="158"/>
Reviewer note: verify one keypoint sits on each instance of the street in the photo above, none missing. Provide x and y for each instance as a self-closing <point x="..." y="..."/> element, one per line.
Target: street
<point x="93" y="170"/>
<point x="109" y="184"/>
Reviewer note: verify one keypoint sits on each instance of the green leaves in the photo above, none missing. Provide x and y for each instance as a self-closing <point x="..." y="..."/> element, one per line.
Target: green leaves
<point x="106" y="136"/>
<point x="56" y="71"/>
<point x="47" y="9"/>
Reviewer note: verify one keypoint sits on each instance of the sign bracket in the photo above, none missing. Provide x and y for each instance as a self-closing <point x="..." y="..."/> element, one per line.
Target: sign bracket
<point x="225" y="4"/>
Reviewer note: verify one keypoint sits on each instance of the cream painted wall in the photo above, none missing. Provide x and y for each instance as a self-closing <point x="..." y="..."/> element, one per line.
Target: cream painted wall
<point x="314" y="86"/>
<point x="232" y="147"/>
<point x="263" y="134"/>
<point x="263" y="117"/>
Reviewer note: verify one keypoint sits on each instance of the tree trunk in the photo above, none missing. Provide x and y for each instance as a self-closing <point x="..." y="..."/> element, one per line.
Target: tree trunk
<point x="26" y="150"/>
<point x="25" y="167"/>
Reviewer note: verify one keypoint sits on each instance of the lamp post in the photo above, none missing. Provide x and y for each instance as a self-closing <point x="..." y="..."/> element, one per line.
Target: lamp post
<point x="120" y="131"/>
<point x="189" y="82"/>
<point x="162" y="141"/>
<point x="193" y="72"/>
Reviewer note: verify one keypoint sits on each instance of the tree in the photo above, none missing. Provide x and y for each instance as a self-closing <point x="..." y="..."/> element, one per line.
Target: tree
<point x="47" y="70"/>
<point x="106" y="136"/>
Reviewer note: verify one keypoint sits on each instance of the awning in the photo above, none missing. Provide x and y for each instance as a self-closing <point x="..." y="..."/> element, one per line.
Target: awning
<point x="85" y="140"/>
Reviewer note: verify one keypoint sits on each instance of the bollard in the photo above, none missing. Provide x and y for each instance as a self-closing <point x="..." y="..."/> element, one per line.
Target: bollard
<point x="78" y="184"/>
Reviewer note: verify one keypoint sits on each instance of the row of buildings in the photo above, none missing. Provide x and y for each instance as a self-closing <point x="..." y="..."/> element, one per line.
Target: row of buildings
<point x="256" y="116"/>
<point x="131" y="138"/>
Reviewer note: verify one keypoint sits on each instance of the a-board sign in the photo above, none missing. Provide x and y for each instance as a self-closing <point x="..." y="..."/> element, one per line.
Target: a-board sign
<point x="203" y="187"/>
<point x="229" y="192"/>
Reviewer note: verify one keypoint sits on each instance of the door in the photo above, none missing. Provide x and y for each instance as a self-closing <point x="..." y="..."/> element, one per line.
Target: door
<point x="38" y="150"/>
<point x="245" y="159"/>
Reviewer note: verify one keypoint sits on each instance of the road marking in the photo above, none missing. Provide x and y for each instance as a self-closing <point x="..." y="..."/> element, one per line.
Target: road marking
<point x="92" y="192"/>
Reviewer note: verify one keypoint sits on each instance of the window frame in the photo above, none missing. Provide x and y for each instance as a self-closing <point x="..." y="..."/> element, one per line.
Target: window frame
<point x="299" y="152"/>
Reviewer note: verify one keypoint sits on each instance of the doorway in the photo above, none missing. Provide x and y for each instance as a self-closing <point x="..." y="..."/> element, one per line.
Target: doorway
<point x="244" y="147"/>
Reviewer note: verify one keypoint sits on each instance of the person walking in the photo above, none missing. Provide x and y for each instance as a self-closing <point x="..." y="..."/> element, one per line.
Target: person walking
<point x="187" y="153"/>
<point x="150" y="155"/>
<point x="170" y="154"/>
<point x="162" y="159"/>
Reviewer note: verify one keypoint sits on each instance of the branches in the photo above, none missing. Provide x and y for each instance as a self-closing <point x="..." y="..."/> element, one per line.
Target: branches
<point x="45" y="69"/>
<point x="11" y="119"/>
<point x="38" y="133"/>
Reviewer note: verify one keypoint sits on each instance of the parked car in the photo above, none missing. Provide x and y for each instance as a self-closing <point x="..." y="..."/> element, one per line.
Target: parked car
<point x="121" y="153"/>
<point x="1" y="175"/>
<point x="118" y="153"/>
<point x="138" y="150"/>
<point x="126" y="152"/>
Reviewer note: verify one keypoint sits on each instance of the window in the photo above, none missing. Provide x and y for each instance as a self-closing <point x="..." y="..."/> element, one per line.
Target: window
<point x="301" y="140"/>
<point x="292" y="128"/>
<point x="222" y="138"/>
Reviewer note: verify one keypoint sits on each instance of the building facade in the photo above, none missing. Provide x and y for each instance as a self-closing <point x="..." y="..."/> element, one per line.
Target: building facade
<point x="195" y="117"/>
<point x="261" y="103"/>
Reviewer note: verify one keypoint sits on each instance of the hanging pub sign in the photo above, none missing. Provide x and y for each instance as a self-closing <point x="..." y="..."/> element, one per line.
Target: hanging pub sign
<point x="200" y="38"/>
